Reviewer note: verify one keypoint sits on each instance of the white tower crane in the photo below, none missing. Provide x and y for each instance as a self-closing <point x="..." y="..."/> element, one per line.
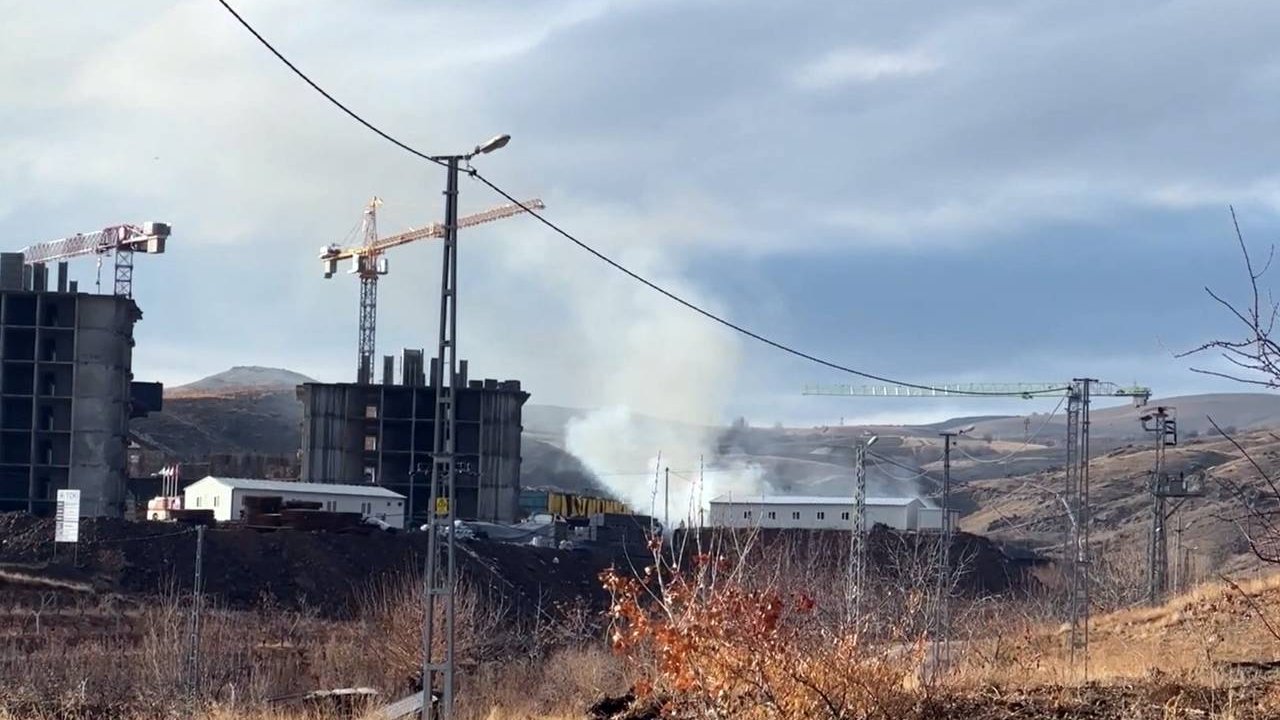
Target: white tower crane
<point x="123" y="240"/>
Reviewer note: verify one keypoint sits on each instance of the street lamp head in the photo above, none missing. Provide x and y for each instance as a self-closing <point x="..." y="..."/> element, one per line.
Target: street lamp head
<point x="496" y="143"/>
<point x="957" y="431"/>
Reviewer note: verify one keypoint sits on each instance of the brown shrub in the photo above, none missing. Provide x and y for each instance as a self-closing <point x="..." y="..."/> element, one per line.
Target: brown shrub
<point x="707" y="645"/>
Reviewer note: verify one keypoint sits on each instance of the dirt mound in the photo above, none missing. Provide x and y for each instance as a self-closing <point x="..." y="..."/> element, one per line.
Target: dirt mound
<point x="327" y="571"/>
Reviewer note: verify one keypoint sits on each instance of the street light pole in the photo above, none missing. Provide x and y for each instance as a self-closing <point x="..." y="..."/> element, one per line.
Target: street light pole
<point x="941" y="646"/>
<point x="441" y="500"/>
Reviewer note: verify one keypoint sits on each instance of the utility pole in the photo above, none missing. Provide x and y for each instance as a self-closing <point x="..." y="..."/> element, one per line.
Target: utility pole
<point x="442" y="500"/>
<point x="941" y="645"/>
<point x="1165" y="428"/>
<point x="1164" y="485"/>
<point x="193" y="642"/>
<point x="857" y="572"/>
<point x="1178" y="570"/>
<point x="1076" y="545"/>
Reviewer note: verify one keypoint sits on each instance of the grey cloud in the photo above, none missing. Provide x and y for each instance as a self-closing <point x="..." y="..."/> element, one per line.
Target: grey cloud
<point x="673" y="134"/>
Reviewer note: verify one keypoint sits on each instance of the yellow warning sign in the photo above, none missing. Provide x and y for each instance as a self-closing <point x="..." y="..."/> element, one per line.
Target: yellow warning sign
<point x="442" y="506"/>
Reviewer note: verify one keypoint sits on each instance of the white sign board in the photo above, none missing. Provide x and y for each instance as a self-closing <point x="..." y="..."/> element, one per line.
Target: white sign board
<point x="67" y="523"/>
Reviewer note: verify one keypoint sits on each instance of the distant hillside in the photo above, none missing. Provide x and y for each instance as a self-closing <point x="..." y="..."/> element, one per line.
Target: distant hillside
<point x="1243" y="411"/>
<point x="241" y="379"/>
<point x="247" y="409"/>
<point x="267" y="422"/>
<point x="255" y="410"/>
<point x="1027" y="508"/>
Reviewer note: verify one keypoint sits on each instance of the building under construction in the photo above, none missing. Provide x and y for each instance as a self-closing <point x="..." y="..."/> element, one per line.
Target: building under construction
<point x="384" y="434"/>
<point x="66" y="390"/>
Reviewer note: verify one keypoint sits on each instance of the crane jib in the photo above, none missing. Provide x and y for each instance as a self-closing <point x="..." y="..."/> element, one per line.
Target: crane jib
<point x="335" y="254"/>
<point x="148" y="237"/>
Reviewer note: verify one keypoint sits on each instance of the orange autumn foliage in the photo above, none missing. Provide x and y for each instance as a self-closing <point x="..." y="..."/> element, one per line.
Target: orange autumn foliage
<point x="705" y="644"/>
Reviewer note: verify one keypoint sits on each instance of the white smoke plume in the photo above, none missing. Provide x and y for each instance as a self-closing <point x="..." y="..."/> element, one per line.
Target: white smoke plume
<point x="655" y="377"/>
<point x="616" y="438"/>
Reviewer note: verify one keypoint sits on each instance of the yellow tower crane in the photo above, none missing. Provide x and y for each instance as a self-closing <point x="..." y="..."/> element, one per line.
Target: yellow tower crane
<point x="369" y="262"/>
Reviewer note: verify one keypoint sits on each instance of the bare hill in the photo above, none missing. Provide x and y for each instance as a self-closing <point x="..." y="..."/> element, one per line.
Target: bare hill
<point x="1028" y="508"/>
<point x="241" y="379"/>
<point x="192" y="427"/>
<point x="1119" y="423"/>
<point x="244" y="410"/>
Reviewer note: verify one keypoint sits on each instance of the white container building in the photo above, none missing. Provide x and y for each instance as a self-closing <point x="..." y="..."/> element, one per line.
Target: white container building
<point x="930" y="519"/>
<point x="811" y="512"/>
<point x="225" y="497"/>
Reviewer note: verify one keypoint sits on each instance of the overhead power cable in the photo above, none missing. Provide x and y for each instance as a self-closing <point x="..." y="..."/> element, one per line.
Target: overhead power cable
<point x="1025" y="443"/>
<point x="730" y="324"/>
<point x="605" y="258"/>
<point x="351" y="113"/>
<point x="920" y="472"/>
<point x="915" y="475"/>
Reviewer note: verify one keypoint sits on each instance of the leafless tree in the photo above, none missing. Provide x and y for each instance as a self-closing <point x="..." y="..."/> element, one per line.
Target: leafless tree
<point x="1255" y="355"/>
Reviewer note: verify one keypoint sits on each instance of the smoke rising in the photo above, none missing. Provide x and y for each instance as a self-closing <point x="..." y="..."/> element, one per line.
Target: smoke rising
<point x="616" y="438"/>
<point x="659" y="376"/>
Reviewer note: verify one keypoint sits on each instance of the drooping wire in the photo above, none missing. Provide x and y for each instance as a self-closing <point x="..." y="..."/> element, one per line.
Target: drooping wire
<point x="606" y="259"/>
<point x="916" y="474"/>
<point x="734" y="326"/>
<point x="351" y="113"/>
<point x="1025" y="444"/>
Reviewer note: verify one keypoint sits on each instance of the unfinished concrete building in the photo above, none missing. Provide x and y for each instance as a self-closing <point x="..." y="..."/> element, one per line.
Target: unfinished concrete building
<point x="383" y="434"/>
<point x="66" y="391"/>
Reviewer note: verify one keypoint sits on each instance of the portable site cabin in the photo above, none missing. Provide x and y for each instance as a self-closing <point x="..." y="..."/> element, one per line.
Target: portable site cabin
<point x="811" y="512"/>
<point x="226" y="497"/>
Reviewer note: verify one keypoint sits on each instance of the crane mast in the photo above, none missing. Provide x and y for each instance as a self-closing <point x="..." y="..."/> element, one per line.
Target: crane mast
<point x="369" y="263"/>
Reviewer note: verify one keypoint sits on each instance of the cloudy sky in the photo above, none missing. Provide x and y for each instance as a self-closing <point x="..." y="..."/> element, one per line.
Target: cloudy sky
<point x="936" y="191"/>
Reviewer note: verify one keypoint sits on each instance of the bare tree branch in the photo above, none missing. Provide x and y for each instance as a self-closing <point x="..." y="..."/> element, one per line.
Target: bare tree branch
<point x="1252" y="605"/>
<point x="1256" y="351"/>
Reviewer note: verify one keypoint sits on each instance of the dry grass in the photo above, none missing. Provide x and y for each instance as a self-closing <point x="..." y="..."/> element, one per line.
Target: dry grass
<point x="1201" y="637"/>
<point x="85" y="660"/>
<point x="559" y="685"/>
<point x="743" y="641"/>
<point x="722" y="644"/>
